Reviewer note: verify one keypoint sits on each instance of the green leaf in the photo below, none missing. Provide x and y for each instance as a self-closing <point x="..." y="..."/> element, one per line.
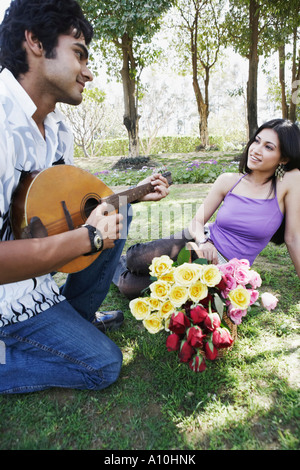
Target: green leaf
<point x="200" y="261"/>
<point x="183" y="256"/>
<point x="219" y="305"/>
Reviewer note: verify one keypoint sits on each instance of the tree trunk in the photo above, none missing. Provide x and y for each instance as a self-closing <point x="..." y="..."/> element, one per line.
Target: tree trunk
<point x="131" y="118"/>
<point x="201" y="104"/>
<point x="284" y="106"/>
<point x="295" y="80"/>
<point x="253" y="68"/>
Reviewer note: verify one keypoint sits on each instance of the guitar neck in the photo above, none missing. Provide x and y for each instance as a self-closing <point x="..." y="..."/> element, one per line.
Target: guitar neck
<point x="131" y="195"/>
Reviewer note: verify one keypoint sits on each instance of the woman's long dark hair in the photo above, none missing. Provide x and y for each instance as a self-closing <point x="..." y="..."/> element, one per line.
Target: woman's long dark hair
<point x="47" y="19"/>
<point x="289" y="138"/>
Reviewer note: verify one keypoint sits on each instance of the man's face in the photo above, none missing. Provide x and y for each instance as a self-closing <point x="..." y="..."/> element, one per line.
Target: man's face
<point x="65" y="75"/>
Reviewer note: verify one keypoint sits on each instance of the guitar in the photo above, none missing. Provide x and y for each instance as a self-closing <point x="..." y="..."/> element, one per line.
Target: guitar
<point x="61" y="198"/>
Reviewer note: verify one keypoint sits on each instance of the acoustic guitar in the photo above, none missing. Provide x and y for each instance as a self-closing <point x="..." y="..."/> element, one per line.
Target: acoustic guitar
<point x="61" y="198"/>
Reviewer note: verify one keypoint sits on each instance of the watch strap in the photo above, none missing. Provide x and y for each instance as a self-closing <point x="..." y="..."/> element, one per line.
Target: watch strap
<point x="93" y="232"/>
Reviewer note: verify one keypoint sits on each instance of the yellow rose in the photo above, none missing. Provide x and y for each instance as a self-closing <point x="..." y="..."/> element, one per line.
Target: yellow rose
<point x="198" y="291"/>
<point x="139" y="308"/>
<point x="167" y="321"/>
<point x="153" y="323"/>
<point x="187" y="274"/>
<point x="160" y="266"/>
<point x="169" y="276"/>
<point x="210" y="275"/>
<point x="239" y="298"/>
<point x="166" y="308"/>
<point x="178" y="295"/>
<point x="160" y="290"/>
<point x="154" y="303"/>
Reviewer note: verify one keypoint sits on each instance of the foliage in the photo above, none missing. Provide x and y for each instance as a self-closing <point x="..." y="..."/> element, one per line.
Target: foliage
<point x="139" y="20"/>
<point x="169" y="144"/>
<point x="124" y="30"/>
<point x="87" y="120"/>
<point x="198" y="42"/>
<point x="183" y="172"/>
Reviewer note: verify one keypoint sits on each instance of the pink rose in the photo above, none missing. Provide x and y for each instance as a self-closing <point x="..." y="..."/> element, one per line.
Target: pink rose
<point x="231" y="284"/>
<point x="226" y="268"/>
<point x="173" y="342"/>
<point x="235" y="263"/>
<point x="254" y="294"/>
<point x="195" y="336"/>
<point x="245" y="263"/>
<point x="255" y="279"/>
<point x="269" y="301"/>
<point x="197" y="363"/>
<point x="241" y="275"/>
<point x="236" y="314"/>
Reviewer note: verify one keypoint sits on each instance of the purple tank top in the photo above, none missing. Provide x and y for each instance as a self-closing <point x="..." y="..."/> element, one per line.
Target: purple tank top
<point x="244" y="226"/>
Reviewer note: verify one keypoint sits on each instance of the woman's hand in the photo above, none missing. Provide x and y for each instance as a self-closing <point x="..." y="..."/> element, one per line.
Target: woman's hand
<point x="205" y="250"/>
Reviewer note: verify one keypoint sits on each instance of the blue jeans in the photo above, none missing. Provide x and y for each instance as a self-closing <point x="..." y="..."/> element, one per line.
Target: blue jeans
<point x="60" y="347"/>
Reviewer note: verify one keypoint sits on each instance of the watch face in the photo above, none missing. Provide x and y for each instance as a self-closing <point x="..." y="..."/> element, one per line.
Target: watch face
<point x="98" y="242"/>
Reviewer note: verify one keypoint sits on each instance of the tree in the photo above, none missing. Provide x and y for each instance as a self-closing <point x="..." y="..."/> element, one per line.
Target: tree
<point x="201" y="36"/>
<point x="124" y="30"/>
<point x="252" y="27"/>
<point x="92" y="121"/>
<point x="286" y="24"/>
<point x="244" y="27"/>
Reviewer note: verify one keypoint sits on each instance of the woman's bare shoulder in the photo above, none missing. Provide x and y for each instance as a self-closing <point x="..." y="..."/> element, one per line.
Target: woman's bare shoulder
<point x="228" y="180"/>
<point x="292" y="178"/>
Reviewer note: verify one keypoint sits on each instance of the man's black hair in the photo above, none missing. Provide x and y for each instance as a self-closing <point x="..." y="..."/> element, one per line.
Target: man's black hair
<point x="47" y="19"/>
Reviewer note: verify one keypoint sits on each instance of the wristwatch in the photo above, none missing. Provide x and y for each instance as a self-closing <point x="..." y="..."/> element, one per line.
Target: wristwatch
<point x="95" y="239"/>
<point x="201" y="242"/>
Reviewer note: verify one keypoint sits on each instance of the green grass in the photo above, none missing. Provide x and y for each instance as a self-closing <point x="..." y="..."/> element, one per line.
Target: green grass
<point x="248" y="400"/>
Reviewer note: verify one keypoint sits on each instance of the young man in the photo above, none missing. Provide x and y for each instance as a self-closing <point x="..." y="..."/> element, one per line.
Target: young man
<point x="47" y="334"/>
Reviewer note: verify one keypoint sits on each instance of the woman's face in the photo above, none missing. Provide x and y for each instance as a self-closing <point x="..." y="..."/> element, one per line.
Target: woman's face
<point x="264" y="153"/>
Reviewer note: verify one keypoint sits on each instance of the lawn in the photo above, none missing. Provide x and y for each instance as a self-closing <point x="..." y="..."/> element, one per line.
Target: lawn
<point x="248" y="400"/>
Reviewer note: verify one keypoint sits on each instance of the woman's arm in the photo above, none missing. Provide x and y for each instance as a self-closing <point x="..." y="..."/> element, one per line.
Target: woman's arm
<point x="211" y="203"/>
<point x="292" y="216"/>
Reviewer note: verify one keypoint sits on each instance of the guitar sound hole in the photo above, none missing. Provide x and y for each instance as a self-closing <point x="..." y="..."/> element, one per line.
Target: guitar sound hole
<point x="90" y="205"/>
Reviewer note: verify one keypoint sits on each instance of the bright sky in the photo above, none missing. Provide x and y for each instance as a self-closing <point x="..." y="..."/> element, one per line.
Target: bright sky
<point x="3" y="5"/>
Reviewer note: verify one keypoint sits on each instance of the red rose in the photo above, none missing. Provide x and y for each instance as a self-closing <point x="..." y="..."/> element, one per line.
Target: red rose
<point x="211" y="351"/>
<point x="207" y="299"/>
<point x="198" y="314"/>
<point x="195" y="336"/>
<point x="221" y="338"/>
<point x="197" y="363"/>
<point x="186" y="352"/>
<point x="212" y="321"/>
<point x="173" y="342"/>
<point x="222" y="284"/>
<point x="179" y="323"/>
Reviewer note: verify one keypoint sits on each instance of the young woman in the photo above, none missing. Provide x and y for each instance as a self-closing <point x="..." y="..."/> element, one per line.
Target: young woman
<point x="260" y="204"/>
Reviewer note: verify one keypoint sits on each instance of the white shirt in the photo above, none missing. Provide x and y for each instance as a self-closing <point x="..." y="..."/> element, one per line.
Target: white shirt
<point x="23" y="148"/>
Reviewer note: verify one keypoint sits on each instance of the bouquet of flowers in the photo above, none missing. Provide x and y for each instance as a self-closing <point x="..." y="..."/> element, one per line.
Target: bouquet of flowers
<point x="198" y="304"/>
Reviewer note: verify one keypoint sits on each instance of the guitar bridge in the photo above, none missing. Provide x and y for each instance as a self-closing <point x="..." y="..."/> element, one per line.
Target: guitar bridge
<point x="67" y="216"/>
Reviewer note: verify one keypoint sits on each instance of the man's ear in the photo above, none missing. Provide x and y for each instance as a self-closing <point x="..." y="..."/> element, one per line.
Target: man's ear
<point x="33" y="43"/>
